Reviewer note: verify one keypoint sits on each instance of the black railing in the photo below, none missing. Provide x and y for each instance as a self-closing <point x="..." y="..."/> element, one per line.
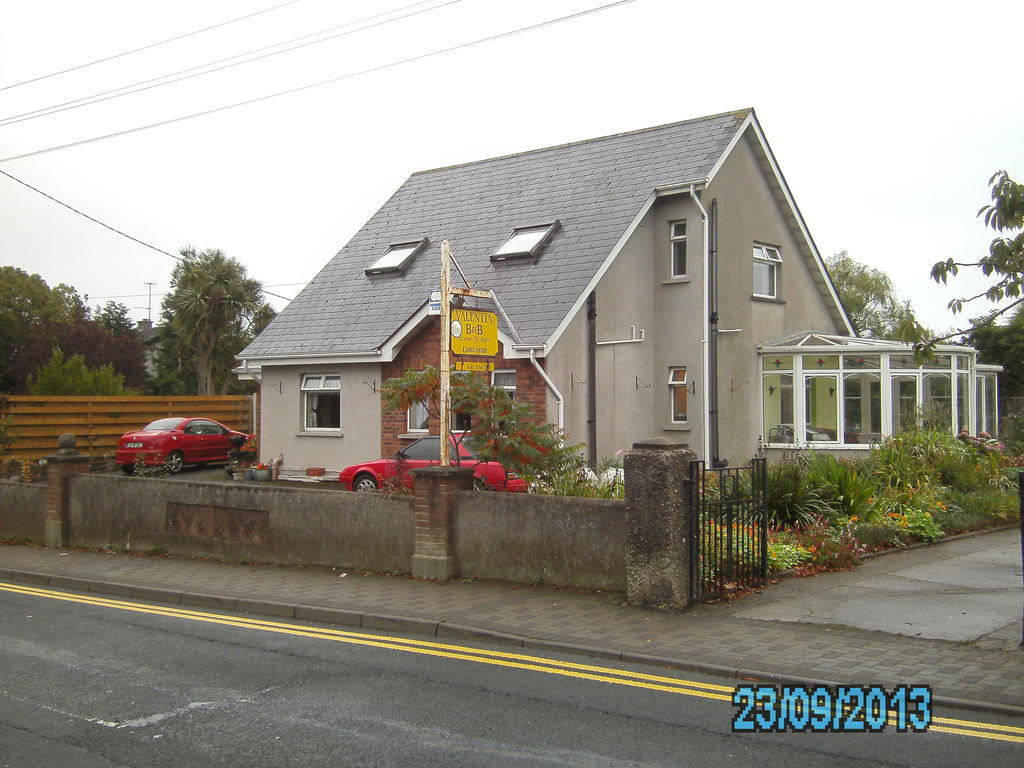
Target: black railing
<point x="728" y="529"/>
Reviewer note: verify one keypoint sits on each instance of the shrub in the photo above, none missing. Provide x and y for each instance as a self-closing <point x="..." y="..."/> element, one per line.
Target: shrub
<point x="784" y="555"/>
<point x="790" y="498"/>
<point x="979" y="508"/>
<point x="831" y="547"/>
<point x="841" y="484"/>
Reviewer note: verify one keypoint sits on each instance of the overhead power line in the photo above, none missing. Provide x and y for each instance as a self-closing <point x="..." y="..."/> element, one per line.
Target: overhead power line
<point x="211" y="66"/>
<point x="90" y="218"/>
<point x="308" y="86"/>
<point x="148" y="46"/>
<point x="124" y="234"/>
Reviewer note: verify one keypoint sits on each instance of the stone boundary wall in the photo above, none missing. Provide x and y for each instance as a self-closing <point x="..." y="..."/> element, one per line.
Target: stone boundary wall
<point x="548" y="539"/>
<point x="242" y="521"/>
<point x="22" y="510"/>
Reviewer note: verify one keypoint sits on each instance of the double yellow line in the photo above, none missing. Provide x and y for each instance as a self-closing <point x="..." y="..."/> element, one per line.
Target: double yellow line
<point x="491" y="657"/>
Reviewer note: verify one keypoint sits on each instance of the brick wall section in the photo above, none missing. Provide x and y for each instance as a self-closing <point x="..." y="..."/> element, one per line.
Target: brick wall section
<point x="434" y="509"/>
<point x="59" y="470"/>
<point x="423" y="350"/>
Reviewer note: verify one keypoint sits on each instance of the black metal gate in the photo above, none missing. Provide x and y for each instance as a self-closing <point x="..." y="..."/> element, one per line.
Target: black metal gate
<point x="728" y="529"/>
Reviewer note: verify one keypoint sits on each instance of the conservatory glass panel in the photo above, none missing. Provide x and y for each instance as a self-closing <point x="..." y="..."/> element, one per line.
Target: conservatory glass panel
<point x="821" y="404"/>
<point x="961" y="361"/>
<point x="991" y="415"/>
<point x="821" y="362"/>
<point x="862" y="408"/>
<point x="979" y="404"/>
<point x="902" y="360"/>
<point x="937" y="390"/>
<point x="962" y="383"/>
<point x="778" y="408"/>
<point x="939" y="361"/>
<point x="777" y="363"/>
<point x="857" y="362"/>
<point x="904" y="403"/>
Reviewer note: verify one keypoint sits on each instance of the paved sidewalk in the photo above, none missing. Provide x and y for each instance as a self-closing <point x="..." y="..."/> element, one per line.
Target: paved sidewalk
<point x="708" y="639"/>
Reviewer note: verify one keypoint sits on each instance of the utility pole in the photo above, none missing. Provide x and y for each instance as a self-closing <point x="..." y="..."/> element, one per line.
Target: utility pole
<point x="444" y="369"/>
<point x="149" y="304"/>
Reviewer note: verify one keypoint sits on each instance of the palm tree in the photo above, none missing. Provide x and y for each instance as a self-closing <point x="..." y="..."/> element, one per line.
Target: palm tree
<point x="212" y="300"/>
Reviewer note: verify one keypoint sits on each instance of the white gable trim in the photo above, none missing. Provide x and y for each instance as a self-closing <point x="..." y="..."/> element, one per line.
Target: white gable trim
<point x="390" y="349"/>
<point x="751" y="122"/>
<point x="682" y="187"/>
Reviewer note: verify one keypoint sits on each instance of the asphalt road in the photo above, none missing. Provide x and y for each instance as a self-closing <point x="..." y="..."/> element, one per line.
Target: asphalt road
<point x="94" y="682"/>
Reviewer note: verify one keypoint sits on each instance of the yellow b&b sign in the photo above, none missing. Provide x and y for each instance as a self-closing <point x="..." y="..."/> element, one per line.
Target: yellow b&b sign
<point x="474" y="332"/>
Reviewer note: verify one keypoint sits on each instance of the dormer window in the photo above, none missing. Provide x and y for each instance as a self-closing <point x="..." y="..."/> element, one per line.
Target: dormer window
<point x="396" y="258"/>
<point x="525" y="242"/>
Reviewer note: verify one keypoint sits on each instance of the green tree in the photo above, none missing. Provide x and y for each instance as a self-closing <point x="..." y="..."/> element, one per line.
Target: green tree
<point x="1002" y="344"/>
<point x="214" y="309"/>
<point x="871" y="302"/>
<point x="72" y="376"/>
<point x="114" y="317"/>
<point x="502" y="429"/>
<point x="1004" y="262"/>
<point x="29" y="311"/>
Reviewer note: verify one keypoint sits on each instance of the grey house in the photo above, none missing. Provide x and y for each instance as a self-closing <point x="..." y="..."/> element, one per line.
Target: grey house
<point x="599" y="253"/>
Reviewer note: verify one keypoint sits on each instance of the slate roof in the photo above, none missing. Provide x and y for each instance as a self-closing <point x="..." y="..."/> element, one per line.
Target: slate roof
<point x="594" y="188"/>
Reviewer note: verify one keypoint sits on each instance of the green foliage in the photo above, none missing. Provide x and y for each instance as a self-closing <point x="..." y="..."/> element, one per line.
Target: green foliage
<point x="73" y="377"/>
<point x="579" y="482"/>
<point x="1002" y="344"/>
<point x="503" y="430"/>
<point x="983" y="507"/>
<point x="783" y="555"/>
<point x="870" y="300"/>
<point x="791" y="499"/>
<point x="214" y="310"/>
<point x="114" y="317"/>
<point x="1004" y="263"/>
<point x="829" y="547"/>
<point x="845" y="488"/>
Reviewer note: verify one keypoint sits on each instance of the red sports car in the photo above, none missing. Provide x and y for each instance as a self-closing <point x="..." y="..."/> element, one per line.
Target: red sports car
<point x="426" y="452"/>
<point x="175" y="442"/>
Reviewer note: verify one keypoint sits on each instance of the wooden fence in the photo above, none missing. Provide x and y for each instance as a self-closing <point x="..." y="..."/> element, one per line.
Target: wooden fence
<point x="35" y="423"/>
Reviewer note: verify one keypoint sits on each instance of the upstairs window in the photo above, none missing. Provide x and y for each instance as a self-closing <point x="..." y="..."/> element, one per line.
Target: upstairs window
<point x="677" y="387"/>
<point x="396" y="258"/>
<point x="767" y="261"/>
<point x="525" y="242"/>
<point x="321" y="397"/>
<point x="677" y="237"/>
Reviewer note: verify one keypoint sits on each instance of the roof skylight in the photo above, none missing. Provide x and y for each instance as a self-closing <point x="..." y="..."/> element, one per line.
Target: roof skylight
<point x="395" y="258"/>
<point x="525" y="242"/>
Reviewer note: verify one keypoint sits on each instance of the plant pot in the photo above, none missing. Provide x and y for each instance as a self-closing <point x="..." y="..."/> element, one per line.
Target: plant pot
<point x="261" y="474"/>
<point x="239" y="475"/>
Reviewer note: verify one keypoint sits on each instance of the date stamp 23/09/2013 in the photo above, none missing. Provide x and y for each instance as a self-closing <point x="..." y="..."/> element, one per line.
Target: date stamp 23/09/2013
<point x="827" y="709"/>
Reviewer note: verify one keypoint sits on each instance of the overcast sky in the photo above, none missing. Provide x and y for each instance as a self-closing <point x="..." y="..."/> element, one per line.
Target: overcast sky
<point x="886" y="118"/>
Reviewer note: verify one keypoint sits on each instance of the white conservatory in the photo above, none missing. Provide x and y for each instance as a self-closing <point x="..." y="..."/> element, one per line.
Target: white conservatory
<point x="857" y="391"/>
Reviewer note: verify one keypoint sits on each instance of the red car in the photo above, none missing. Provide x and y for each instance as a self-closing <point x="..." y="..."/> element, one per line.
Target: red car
<point x="175" y="442"/>
<point x="426" y="452"/>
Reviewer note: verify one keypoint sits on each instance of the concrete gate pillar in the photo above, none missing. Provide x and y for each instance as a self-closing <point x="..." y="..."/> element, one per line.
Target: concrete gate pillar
<point x="67" y="461"/>
<point x="435" y="489"/>
<point x="658" y="523"/>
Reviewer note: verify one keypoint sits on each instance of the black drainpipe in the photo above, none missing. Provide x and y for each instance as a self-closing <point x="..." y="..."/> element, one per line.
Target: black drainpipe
<point x="716" y="460"/>
<point x="592" y="380"/>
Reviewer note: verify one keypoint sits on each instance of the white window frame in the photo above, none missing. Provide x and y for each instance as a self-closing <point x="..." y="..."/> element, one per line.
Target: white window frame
<point x="673" y="238"/>
<point x="408" y="419"/>
<point x="307" y="388"/>
<point x="548" y="229"/>
<point x="771" y="256"/>
<point x="379" y="267"/>
<point x="510" y="389"/>
<point x="672" y="385"/>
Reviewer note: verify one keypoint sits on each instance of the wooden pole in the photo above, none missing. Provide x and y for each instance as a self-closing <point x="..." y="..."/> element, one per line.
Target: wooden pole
<point x="445" y="367"/>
